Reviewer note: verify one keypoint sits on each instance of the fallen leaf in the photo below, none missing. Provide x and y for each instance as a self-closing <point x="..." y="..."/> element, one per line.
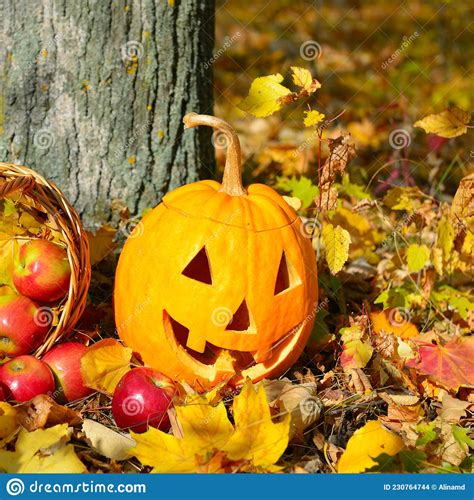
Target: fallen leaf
<point x="264" y="95"/>
<point x="453" y="409"/>
<point x="394" y="321"/>
<point x="299" y="400"/>
<point x="42" y="411"/>
<point x="8" y="421"/>
<point x="462" y="208"/>
<point x="101" y="243"/>
<point x="255" y="441"/>
<point x="417" y="257"/>
<point x="104" y="364"/>
<point x="367" y="443"/>
<point x="107" y="442"/>
<point x="336" y="241"/>
<point x="449" y="365"/>
<point x="43" y="450"/>
<point x="449" y="123"/>
<point x="356" y="350"/>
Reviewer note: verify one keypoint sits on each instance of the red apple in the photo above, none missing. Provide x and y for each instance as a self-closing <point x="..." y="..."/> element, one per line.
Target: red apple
<point x="23" y="325"/>
<point x="65" y="362"/>
<point x="42" y="271"/>
<point x="141" y="398"/>
<point x="25" y="377"/>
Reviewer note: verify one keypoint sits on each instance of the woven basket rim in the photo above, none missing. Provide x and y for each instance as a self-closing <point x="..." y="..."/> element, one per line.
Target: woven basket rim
<point x="67" y="221"/>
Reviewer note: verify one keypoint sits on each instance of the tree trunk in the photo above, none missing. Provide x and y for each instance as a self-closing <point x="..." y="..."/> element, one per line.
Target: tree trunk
<point x="93" y="93"/>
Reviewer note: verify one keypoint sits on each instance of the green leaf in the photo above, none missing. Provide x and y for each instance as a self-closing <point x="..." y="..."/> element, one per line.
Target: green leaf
<point x="9" y="208"/>
<point x="462" y="302"/>
<point x="336" y="241"/>
<point x="412" y="460"/>
<point x="264" y="95"/>
<point x="461" y="436"/>
<point x="301" y="188"/>
<point x="426" y="433"/>
<point x="417" y="257"/>
<point x="356" y="191"/>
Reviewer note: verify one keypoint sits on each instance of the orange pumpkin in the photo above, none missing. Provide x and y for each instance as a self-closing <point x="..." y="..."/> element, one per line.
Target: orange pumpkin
<point x="217" y="283"/>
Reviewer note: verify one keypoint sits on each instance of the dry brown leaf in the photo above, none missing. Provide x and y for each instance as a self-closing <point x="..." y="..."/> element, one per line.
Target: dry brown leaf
<point x="42" y="412"/>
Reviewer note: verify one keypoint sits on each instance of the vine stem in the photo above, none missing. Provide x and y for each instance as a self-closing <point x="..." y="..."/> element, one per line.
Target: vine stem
<point x="232" y="179"/>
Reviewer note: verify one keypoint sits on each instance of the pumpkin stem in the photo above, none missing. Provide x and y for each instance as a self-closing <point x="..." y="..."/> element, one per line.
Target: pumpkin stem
<point x="232" y="179"/>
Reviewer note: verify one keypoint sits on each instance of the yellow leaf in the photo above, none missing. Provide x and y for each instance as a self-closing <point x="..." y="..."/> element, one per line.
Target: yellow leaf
<point x="301" y="77"/>
<point x="462" y="209"/>
<point x="105" y="363"/>
<point x="367" y="443"/>
<point x="164" y="452"/>
<point x="62" y="461"/>
<point x="445" y="236"/>
<point x="101" y="243"/>
<point x="294" y="202"/>
<point x="357" y="350"/>
<point x="403" y="198"/>
<point x="449" y="123"/>
<point x="264" y="95"/>
<point x="336" y="240"/>
<point x="43" y="450"/>
<point x="313" y="118"/>
<point x="213" y="435"/>
<point x="207" y="432"/>
<point x="256" y="437"/>
<point x="8" y="249"/>
<point x="417" y="257"/>
<point x="8" y="423"/>
<point x="395" y="322"/>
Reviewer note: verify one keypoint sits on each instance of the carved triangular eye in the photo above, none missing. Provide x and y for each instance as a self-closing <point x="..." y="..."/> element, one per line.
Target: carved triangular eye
<point x="286" y="276"/>
<point x="240" y="321"/>
<point x="199" y="269"/>
<point x="283" y="276"/>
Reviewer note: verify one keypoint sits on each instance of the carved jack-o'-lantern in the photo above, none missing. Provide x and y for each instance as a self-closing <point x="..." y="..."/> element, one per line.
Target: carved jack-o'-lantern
<point x="217" y="283"/>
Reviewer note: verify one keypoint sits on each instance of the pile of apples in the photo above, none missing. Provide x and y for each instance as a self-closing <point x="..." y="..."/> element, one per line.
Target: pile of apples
<point x="41" y="276"/>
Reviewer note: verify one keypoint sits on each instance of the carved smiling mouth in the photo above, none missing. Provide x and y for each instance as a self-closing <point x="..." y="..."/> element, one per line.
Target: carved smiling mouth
<point x="242" y="359"/>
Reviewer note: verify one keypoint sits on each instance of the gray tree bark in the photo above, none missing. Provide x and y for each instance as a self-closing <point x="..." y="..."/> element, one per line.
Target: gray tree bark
<point x="93" y="92"/>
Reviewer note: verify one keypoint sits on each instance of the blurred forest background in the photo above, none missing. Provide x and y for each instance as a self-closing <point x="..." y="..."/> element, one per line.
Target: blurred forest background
<point x="384" y="64"/>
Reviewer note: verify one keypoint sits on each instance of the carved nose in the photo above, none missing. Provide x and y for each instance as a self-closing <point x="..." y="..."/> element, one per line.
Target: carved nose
<point x="242" y="320"/>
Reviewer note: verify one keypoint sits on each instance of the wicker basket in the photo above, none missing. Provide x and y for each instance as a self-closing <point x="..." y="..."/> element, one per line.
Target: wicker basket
<point x="64" y="219"/>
